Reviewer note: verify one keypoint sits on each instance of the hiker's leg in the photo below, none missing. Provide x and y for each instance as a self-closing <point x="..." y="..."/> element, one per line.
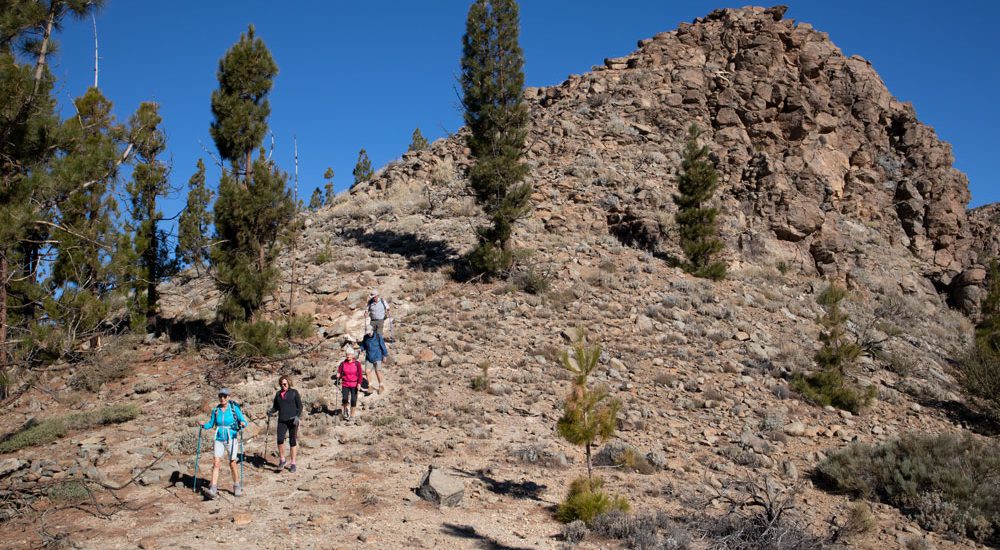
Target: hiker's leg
<point x="345" y="395"/>
<point x="354" y="400"/>
<point x="235" y="471"/>
<point x="282" y="428"/>
<point x="215" y="470"/>
<point x="378" y="374"/>
<point x="377" y="325"/>
<point x="293" y="443"/>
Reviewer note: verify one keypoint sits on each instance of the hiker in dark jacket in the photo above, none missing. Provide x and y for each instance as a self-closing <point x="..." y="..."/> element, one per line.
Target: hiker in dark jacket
<point x="288" y="405"/>
<point x="373" y="346"/>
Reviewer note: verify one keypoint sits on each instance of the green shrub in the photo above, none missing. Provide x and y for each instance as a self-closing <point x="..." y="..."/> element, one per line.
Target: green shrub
<point x="259" y="339"/>
<point x="586" y="501"/>
<point x="946" y="482"/>
<point x="829" y="387"/>
<point x="979" y="374"/>
<point x="52" y="429"/>
<point x="299" y="327"/>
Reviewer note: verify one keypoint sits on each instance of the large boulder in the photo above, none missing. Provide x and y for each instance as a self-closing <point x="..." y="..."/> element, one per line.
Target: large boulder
<point x="441" y="488"/>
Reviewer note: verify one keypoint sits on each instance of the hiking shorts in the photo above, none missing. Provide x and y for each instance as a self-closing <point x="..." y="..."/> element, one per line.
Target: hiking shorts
<point x="349" y="394"/>
<point x="231" y="447"/>
<point x="374" y="364"/>
<point x="287" y="427"/>
<point x="377" y="325"/>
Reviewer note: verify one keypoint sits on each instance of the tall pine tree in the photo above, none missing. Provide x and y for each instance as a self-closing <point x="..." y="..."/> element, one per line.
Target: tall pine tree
<point x="192" y="227"/>
<point x="493" y="97"/>
<point x="254" y="207"/>
<point x="89" y="262"/>
<point x="149" y="182"/>
<point x="363" y="169"/>
<point x="240" y="106"/>
<point x="30" y="140"/>
<point x="698" y="228"/>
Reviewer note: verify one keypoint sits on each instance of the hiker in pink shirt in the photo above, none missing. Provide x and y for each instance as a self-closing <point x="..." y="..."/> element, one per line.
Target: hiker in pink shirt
<point x="349" y="375"/>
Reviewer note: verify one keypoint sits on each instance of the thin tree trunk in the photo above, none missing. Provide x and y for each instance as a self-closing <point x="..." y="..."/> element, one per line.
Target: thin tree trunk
<point x="93" y="18"/>
<point x="590" y="468"/>
<point x="152" y="258"/>
<point x="40" y="65"/>
<point x="4" y="266"/>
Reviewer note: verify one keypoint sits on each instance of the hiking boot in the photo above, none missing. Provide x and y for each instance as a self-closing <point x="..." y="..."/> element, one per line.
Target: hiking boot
<point x="380" y="388"/>
<point x="281" y="464"/>
<point x="237" y="490"/>
<point x="212" y="492"/>
<point x="291" y="468"/>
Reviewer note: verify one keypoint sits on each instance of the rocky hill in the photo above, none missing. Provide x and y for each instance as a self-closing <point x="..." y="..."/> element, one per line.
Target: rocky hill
<point x="824" y="176"/>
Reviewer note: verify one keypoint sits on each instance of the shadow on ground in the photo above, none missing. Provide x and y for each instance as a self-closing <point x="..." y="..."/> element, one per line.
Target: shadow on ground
<point x="469" y="532"/>
<point x="521" y="490"/>
<point x="421" y="253"/>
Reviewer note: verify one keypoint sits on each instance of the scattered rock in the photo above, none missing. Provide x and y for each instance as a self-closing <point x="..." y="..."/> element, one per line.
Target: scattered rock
<point x="441" y="488"/>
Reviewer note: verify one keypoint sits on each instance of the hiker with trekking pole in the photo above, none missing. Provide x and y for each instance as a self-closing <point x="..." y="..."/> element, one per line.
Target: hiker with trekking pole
<point x="350" y="374"/>
<point x="228" y="421"/>
<point x="288" y="406"/>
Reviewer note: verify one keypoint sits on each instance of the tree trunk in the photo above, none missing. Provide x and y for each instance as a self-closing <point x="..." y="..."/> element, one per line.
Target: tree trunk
<point x="4" y="266"/>
<point x="40" y="65"/>
<point x="152" y="259"/>
<point x="590" y="468"/>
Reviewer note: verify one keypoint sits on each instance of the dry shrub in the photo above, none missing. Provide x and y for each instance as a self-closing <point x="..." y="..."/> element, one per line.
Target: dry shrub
<point x="939" y="480"/>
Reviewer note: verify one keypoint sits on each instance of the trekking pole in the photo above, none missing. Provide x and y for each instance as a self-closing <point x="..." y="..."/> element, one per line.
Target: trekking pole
<point x="197" y="455"/>
<point x="243" y="457"/>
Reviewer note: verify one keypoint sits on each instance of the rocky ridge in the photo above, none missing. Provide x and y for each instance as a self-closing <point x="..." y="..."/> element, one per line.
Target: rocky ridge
<point x="812" y="165"/>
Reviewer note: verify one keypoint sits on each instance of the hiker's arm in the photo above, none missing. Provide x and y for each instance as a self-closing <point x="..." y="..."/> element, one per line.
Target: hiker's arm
<point x="298" y="405"/>
<point x="211" y="421"/>
<point x="385" y="349"/>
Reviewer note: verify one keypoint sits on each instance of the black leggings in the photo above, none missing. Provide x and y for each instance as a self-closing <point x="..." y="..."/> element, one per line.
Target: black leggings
<point x="351" y="393"/>
<point x="290" y="427"/>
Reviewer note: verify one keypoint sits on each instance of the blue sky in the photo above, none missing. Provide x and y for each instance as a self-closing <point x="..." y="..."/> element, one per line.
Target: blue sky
<point x="365" y="74"/>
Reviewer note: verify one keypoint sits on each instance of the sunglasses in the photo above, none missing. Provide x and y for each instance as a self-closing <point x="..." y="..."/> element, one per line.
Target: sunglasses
<point x="223" y="397"/>
<point x="284" y="383"/>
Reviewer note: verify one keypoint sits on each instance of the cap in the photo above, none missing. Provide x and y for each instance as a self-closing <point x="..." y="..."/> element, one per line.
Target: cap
<point x="373" y="293"/>
<point x="224" y="391"/>
<point x="349" y="350"/>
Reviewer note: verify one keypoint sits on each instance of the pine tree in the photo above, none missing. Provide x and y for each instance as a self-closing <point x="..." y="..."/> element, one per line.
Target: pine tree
<point x="698" y="228"/>
<point x="418" y="142"/>
<point x="328" y="186"/>
<point x="192" y="227"/>
<point x="834" y="359"/>
<point x="30" y="140"/>
<point x="240" y="106"/>
<point x="89" y="261"/>
<point x="493" y="98"/>
<point x="254" y="207"/>
<point x="588" y="415"/>
<point x="149" y="183"/>
<point x="249" y="222"/>
<point x="363" y="169"/>
<point x="316" y="201"/>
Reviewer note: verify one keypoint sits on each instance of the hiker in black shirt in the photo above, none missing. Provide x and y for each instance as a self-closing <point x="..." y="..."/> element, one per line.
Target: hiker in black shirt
<point x="288" y="405"/>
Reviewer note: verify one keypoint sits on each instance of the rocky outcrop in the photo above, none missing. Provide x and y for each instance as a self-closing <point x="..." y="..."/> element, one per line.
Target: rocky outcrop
<point x="822" y="170"/>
